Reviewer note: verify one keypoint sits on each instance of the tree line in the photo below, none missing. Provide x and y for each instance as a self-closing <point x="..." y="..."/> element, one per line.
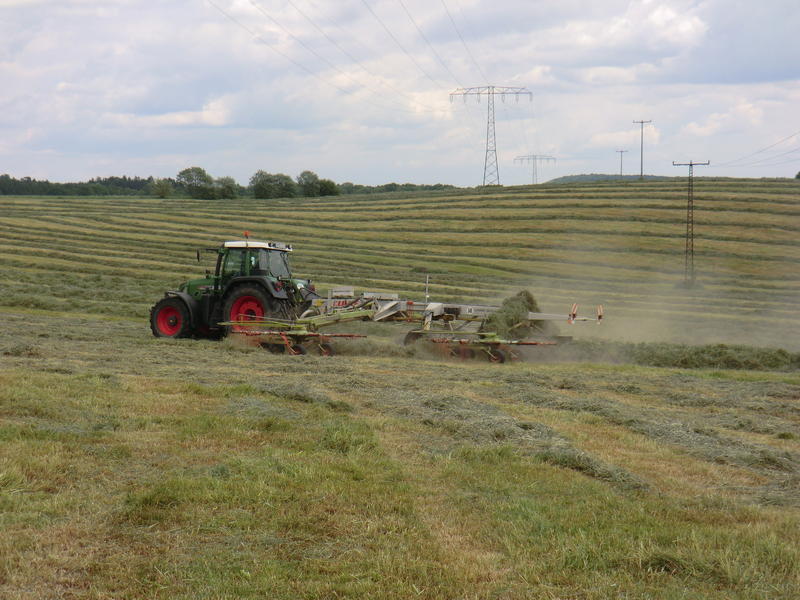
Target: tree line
<point x="98" y="186"/>
<point x="196" y="182"/>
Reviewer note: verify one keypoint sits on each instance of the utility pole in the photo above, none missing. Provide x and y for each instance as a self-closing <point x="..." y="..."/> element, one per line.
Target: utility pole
<point x="688" y="268"/>
<point x="533" y="158"/>
<point x="641" y="150"/>
<point x="491" y="172"/>
<point x="620" y="161"/>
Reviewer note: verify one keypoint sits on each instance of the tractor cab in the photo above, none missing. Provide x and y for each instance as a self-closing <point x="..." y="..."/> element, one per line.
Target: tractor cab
<point x="252" y="259"/>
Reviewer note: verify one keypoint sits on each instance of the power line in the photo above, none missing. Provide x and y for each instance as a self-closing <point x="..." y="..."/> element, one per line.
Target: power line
<point x="463" y="42"/>
<point x="310" y="49"/>
<point x="780" y="162"/>
<point x="260" y="39"/>
<point x="399" y="45"/>
<point x="424" y="37"/>
<point x="768" y="158"/>
<point x="356" y="60"/>
<point x="764" y="149"/>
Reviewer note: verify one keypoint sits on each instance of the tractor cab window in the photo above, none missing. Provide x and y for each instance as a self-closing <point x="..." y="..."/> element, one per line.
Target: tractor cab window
<point x="234" y="263"/>
<point x="274" y="262"/>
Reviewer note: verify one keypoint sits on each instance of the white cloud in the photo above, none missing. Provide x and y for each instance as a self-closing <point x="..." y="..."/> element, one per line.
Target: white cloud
<point x="743" y="114"/>
<point x="128" y="88"/>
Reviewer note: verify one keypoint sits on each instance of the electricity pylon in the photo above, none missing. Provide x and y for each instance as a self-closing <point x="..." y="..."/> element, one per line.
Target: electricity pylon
<point x="641" y="150"/>
<point x="534" y="158"/>
<point x="620" y="161"/>
<point x="688" y="267"/>
<point x="491" y="172"/>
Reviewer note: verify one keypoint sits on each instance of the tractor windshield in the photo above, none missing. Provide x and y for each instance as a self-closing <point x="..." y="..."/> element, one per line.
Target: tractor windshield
<point x="274" y="262"/>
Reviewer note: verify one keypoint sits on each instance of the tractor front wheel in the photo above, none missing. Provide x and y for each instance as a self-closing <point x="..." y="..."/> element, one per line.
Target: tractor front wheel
<point x="246" y="303"/>
<point x="170" y="318"/>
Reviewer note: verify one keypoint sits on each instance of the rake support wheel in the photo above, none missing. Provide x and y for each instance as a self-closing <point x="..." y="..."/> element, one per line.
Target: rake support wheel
<point x="496" y="355"/>
<point x="325" y="349"/>
<point x="411" y="338"/>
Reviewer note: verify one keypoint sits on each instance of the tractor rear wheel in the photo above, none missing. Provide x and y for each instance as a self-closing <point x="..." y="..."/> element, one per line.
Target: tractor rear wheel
<point x="170" y="318"/>
<point x="246" y="303"/>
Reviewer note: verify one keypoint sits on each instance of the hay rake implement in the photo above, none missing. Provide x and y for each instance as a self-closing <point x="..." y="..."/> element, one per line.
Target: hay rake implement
<point x="442" y="324"/>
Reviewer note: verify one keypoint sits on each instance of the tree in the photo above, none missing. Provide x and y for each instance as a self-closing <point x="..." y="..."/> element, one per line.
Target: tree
<point x="285" y="185"/>
<point x="797" y="176"/>
<point x="328" y="187"/>
<point x="226" y="187"/>
<point x="196" y="182"/>
<point x="261" y="184"/>
<point x="269" y="185"/>
<point x="308" y="181"/>
<point x="160" y="188"/>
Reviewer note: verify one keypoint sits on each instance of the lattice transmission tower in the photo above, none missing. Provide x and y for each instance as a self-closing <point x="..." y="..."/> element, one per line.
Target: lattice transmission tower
<point x="688" y="264"/>
<point x="491" y="172"/>
<point x="533" y="159"/>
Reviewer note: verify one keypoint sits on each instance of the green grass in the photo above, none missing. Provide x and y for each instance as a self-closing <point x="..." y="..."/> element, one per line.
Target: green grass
<point x="625" y="465"/>
<point x="133" y="467"/>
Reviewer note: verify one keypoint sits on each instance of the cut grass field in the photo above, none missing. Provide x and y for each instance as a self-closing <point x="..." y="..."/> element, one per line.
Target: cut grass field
<point x="132" y="467"/>
<point x="621" y="245"/>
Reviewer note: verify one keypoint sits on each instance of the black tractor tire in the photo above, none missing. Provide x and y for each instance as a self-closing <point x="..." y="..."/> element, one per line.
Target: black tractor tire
<point x="170" y="318"/>
<point x="246" y="303"/>
<point x="274" y="348"/>
<point x="496" y="355"/>
<point x="325" y="349"/>
<point x="411" y="338"/>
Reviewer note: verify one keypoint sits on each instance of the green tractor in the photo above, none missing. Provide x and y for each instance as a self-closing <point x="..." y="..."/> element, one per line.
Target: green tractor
<point x="252" y="281"/>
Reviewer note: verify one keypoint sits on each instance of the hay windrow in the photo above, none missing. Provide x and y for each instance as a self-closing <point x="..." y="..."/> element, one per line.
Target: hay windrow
<point x="510" y="321"/>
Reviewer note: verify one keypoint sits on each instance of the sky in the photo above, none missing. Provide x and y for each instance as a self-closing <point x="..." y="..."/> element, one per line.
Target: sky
<point x="360" y="90"/>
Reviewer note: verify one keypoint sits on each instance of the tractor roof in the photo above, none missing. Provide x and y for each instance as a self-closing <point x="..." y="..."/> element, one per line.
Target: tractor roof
<point x="253" y="244"/>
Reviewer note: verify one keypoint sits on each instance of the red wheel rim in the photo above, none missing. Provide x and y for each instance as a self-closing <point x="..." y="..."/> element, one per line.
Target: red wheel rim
<point x="246" y="308"/>
<point x="169" y="320"/>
